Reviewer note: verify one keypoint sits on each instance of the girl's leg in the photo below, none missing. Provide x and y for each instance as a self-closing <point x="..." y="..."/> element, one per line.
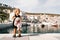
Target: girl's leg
<point x="14" y="32"/>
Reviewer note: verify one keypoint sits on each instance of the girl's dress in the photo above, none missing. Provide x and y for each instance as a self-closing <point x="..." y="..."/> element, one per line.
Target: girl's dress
<point x="17" y="22"/>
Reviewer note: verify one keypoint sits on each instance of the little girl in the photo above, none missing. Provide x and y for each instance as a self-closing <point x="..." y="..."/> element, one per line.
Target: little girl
<point x="17" y="22"/>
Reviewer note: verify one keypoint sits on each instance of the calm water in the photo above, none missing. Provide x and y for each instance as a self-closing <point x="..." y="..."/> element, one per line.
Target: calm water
<point x="8" y="28"/>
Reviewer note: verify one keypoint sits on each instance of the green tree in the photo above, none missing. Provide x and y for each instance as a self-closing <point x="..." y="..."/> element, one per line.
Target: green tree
<point x="4" y="16"/>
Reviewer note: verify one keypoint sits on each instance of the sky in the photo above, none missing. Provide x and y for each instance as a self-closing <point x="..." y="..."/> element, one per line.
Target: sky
<point x="35" y="6"/>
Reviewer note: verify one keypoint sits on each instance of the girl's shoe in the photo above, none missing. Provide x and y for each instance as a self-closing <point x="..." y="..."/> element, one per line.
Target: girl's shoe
<point x="19" y="35"/>
<point x="14" y="36"/>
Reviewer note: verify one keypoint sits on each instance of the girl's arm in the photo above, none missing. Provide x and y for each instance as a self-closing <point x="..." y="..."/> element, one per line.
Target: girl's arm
<point x="13" y="17"/>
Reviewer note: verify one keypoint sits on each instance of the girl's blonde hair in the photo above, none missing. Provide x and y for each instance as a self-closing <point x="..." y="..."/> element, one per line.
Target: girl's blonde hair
<point x="16" y="9"/>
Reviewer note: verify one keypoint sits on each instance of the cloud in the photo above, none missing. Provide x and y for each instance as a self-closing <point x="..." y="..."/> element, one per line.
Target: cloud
<point x="50" y="6"/>
<point x="50" y="3"/>
<point x="27" y="4"/>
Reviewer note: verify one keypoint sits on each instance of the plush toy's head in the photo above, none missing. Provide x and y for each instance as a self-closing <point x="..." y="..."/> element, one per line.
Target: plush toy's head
<point x="17" y="19"/>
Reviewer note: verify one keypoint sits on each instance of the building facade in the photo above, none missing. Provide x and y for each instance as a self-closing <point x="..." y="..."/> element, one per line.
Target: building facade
<point x="43" y="22"/>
